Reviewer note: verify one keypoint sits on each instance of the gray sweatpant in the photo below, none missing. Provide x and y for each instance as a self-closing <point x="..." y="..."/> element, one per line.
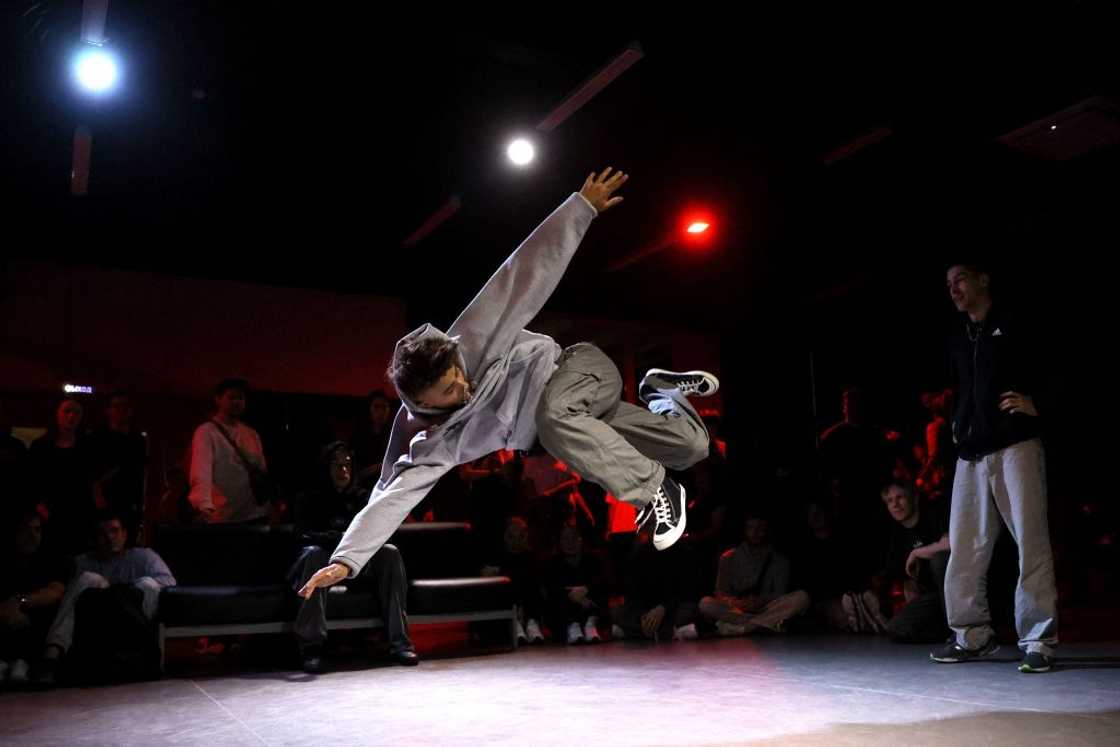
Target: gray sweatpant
<point x="582" y="420"/>
<point x="1009" y="485"/>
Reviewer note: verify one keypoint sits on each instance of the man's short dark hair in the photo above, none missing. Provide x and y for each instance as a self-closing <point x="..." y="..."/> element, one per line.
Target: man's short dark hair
<point x="106" y="515"/>
<point x="417" y="364"/>
<point x="328" y="453"/>
<point x="903" y="484"/>
<point x="975" y="265"/>
<point x="226" y="385"/>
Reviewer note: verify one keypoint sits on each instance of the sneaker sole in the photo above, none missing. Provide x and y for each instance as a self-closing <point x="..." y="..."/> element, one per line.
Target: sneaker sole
<point x="710" y="377"/>
<point x="1025" y="669"/>
<point x="975" y="657"/>
<point x="665" y="541"/>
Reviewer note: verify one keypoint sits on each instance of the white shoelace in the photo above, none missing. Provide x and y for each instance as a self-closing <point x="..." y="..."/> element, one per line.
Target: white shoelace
<point x="691" y="387"/>
<point x="662" y="507"/>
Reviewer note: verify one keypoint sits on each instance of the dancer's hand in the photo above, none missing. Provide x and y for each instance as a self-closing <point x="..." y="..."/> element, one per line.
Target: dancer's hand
<point x="1020" y="404"/>
<point x="323" y="578"/>
<point x="598" y="189"/>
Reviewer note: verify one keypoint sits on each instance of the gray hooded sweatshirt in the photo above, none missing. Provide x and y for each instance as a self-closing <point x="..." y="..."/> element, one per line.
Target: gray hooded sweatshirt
<point x="508" y="367"/>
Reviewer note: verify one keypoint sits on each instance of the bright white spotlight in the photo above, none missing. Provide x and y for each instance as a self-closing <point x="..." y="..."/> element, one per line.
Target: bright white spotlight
<point x="96" y="70"/>
<point x="521" y="152"/>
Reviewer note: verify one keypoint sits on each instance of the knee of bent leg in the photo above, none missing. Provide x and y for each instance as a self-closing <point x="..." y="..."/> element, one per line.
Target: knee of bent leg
<point x="802" y="602"/>
<point x="697" y="448"/>
<point x="90" y="580"/>
<point x="548" y="418"/>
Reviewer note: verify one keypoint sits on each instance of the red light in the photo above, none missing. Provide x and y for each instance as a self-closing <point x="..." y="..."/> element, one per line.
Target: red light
<point x="697" y="227"/>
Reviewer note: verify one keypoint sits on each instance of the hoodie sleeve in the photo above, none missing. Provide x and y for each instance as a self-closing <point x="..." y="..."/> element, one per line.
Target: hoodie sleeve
<point x="409" y="471"/>
<point x="517" y="292"/>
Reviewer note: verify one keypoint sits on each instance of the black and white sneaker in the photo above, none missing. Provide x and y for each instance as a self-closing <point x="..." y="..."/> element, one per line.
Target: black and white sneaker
<point x="1035" y="662"/>
<point x="667" y="509"/>
<point x="690" y="383"/>
<point x="952" y="653"/>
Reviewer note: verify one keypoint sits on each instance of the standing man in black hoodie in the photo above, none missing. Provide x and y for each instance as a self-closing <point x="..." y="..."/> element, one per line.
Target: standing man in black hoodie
<point x="1000" y="477"/>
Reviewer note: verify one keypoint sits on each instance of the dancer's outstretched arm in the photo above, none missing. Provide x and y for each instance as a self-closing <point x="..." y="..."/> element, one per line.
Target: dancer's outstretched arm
<point x="515" y="294"/>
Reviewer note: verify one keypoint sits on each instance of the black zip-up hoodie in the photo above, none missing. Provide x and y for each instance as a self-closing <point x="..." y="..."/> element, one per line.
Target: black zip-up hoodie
<point x="988" y="358"/>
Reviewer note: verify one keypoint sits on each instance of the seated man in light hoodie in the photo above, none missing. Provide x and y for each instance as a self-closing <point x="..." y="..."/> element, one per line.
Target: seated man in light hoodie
<point x="489" y="384"/>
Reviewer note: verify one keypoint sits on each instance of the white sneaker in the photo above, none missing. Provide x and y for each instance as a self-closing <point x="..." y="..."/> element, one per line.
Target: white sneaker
<point x="617" y="633"/>
<point x="686" y="633"/>
<point x="591" y="630"/>
<point x="871" y="604"/>
<point x="727" y="629"/>
<point x="17" y="675"/>
<point x="519" y="633"/>
<point x="533" y="631"/>
<point x="575" y="634"/>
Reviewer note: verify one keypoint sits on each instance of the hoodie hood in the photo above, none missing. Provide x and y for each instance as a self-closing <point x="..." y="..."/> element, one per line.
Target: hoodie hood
<point x="423" y="332"/>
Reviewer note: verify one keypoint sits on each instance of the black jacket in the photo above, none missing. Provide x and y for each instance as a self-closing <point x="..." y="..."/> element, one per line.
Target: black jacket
<point x="988" y="358"/>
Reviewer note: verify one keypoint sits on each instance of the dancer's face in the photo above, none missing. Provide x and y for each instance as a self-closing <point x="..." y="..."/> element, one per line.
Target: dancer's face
<point x="451" y="392"/>
<point x="967" y="288"/>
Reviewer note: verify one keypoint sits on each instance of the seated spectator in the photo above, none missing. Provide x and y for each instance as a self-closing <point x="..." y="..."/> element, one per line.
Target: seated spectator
<point x="119" y="457"/>
<point x="492" y="482"/>
<point x="519" y="564"/>
<point x="229" y="476"/>
<point x="322" y="515"/>
<point x="916" y="558"/>
<point x="821" y="567"/>
<point x="32" y="582"/>
<point x="661" y="593"/>
<point x="110" y="564"/>
<point x="58" y="471"/>
<point x="707" y="515"/>
<point x="752" y="586"/>
<point x="574" y="590"/>
<point x="554" y="497"/>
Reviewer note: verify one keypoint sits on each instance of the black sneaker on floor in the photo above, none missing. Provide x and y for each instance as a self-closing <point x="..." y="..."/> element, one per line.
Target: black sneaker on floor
<point x="1035" y="662"/>
<point x="951" y="653"/>
<point x="44" y="674"/>
<point x="407" y="658"/>
<point x="667" y="508"/>
<point x="690" y="383"/>
<point x="311" y="659"/>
